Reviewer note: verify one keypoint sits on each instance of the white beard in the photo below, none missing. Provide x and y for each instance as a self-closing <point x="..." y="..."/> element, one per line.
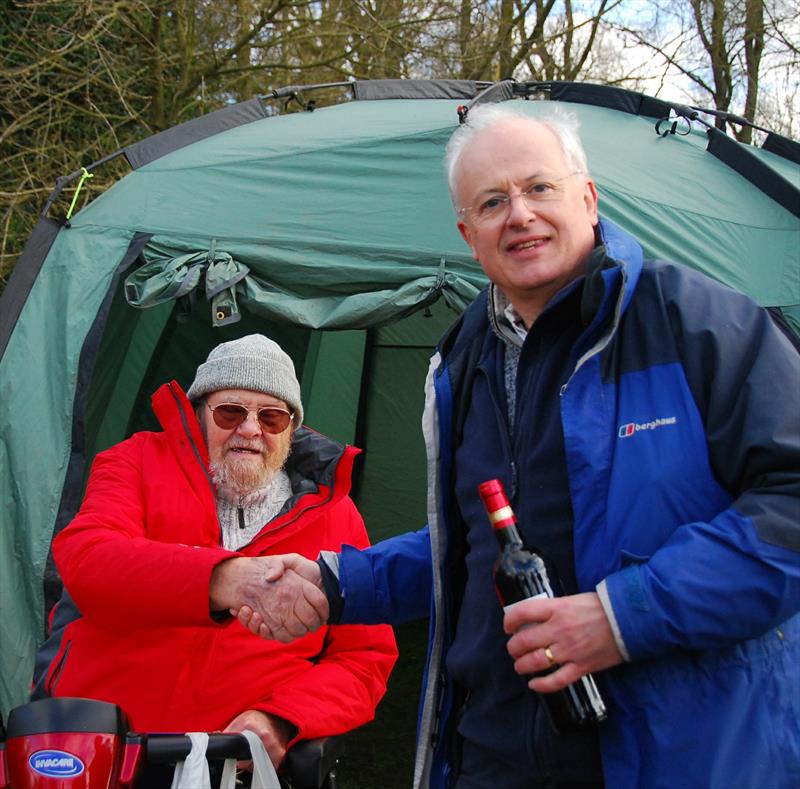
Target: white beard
<point x="238" y="477"/>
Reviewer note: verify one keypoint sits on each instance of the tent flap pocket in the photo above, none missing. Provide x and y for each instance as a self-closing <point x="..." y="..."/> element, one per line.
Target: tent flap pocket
<point x="175" y="278"/>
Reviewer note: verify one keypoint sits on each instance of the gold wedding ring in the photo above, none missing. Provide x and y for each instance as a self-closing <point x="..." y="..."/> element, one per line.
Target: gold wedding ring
<point x="548" y="653"/>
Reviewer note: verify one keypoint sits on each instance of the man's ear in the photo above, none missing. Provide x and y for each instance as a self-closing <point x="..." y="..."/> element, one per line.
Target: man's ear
<point x="201" y="412"/>
<point x="590" y="199"/>
<point x="466" y="234"/>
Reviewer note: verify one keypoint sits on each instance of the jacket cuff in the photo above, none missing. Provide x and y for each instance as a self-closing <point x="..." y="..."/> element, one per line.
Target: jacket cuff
<point x="357" y="584"/>
<point x="328" y="563"/>
<point x="634" y="619"/>
<point x="605" y="601"/>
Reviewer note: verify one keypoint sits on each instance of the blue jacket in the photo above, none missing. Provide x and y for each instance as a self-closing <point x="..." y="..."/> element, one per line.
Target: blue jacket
<point x="682" y="437"/>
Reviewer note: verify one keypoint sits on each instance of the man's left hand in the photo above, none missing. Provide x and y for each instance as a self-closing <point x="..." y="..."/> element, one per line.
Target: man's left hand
<point x="274" y="732"/>
<point x="573" y="631"/>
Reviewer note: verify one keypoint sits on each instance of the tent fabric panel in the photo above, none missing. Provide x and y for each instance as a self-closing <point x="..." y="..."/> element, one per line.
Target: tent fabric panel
<point x="295" y="204"/>
<point x="391" y="490"/>
<point x="38" y="375"/>
<point x="20" y="588"/>
<point x="626" y="155"/>
<point x="423" y="329"/>
<point x="72" y="490"/>
<point x="158" y="145"/>
<point x="23" y="275"/>
<point x="91" y="348"/>
<point x="697" y="244"/>
<point x="340" y="127"/>
<point x="331" y="383"/>
<point x="372" y="210"/>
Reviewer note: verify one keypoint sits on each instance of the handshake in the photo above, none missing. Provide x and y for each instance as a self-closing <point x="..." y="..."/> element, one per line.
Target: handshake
<point x="275" y="597"/>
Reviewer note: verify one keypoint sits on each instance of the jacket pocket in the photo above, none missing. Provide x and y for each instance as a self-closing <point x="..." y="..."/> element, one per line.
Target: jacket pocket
<point x="627" y="558"/>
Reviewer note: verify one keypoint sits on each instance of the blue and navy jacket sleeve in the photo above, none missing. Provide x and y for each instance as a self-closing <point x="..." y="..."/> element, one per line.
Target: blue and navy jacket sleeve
<point x="388" y="583"/>
<point x="730" y="571"/>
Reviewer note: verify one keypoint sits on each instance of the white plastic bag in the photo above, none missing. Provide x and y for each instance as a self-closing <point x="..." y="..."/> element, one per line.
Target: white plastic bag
<point x="264" y="775"/>
<point x="192" y="772"/>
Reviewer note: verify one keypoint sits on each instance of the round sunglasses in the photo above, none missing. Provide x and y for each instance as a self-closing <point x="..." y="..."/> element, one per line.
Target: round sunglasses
<point x="230" y="415"/>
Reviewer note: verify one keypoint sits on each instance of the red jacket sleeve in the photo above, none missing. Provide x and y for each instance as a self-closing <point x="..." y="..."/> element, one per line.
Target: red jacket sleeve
<point x="132" y="559"/>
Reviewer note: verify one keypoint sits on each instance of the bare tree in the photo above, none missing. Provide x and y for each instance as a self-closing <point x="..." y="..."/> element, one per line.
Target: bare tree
<point x="719" y="48"/>
<point x="79" y="80"/>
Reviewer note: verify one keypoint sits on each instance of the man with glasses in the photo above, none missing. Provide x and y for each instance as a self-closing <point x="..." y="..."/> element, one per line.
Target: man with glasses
<point x="644" y="421"/>
<point x="177" y="528"/>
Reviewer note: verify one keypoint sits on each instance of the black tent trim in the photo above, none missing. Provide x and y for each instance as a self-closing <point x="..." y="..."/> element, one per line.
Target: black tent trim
<point x="603" y="96"/>
<point x="738" y="158"/>
<point x="155" y="146"/>
<point x="782" y="146"/>
<point x="23" y="275"/>
<point x="380" y="89"/>
<point x="575" y="92"/>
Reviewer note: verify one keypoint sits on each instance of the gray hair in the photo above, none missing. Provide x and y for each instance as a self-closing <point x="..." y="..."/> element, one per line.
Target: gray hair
<point x="563" y="123"/>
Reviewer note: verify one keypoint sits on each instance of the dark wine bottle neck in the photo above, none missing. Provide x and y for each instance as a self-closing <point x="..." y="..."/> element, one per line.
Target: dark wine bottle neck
<point x="508" y="535"/>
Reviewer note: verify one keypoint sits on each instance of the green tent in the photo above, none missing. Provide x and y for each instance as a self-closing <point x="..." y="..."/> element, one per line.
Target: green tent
<point x="330" y="230"/>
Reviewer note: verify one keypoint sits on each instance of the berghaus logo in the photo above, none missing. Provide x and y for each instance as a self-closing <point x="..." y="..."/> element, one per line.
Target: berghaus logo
<point x="56" y="764"/>
<point x="629" y="429"/>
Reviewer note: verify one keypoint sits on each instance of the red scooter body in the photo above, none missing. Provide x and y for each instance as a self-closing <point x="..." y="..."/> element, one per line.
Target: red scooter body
<point x="66" y="743"/>
<point x="69" y="743"/>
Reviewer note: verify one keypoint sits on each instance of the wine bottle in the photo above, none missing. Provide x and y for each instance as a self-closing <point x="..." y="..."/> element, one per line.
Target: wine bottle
<point x="520" y="573"/>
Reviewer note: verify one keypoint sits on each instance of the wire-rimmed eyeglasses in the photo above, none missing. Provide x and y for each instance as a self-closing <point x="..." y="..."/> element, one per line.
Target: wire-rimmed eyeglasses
<point x="494" y="207"/>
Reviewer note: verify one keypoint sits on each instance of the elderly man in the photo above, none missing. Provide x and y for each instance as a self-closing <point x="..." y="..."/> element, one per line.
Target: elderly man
<point x="637" y="413"/>
<point x="176" y="528"/>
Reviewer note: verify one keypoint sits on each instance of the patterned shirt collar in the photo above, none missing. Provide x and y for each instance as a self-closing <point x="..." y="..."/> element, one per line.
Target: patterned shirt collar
<point x="505" y="320"/>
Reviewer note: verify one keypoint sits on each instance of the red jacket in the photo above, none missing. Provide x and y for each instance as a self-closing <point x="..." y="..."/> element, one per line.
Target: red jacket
<point x="137" y="561"/>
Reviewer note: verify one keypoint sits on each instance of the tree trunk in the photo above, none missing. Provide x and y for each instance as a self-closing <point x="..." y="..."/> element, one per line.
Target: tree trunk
<point x="753" y="48"/>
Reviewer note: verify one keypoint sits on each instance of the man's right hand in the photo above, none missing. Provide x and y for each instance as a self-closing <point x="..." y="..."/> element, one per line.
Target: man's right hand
<point x="276" y="597"/>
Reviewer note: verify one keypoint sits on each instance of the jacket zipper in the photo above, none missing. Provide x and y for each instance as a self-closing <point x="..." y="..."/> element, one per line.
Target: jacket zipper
<point x="603" y="342"/>
<point x="55" y="675"/>
<point x="266" y="532"/>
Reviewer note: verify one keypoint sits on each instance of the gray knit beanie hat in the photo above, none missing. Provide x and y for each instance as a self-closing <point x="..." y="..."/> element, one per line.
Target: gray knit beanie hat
<point x="253" y="362"/>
